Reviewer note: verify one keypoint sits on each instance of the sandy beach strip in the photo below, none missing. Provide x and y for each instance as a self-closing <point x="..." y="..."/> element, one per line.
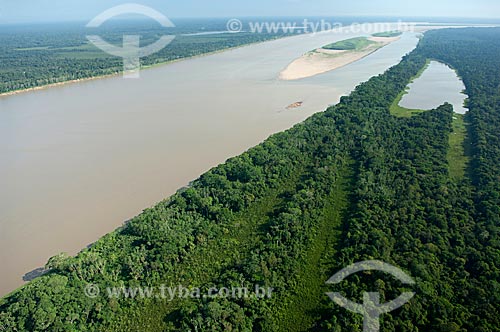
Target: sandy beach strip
<point x="321" y="60"/>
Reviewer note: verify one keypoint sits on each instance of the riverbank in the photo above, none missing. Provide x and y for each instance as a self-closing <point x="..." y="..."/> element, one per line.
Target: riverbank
<point x="96" y="77"/>
<point x="131" y="143"/>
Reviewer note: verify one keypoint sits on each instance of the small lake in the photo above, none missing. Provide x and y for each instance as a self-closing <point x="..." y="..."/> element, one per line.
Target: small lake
<point x="80" y="159"/>
<point x="437" y="84"/>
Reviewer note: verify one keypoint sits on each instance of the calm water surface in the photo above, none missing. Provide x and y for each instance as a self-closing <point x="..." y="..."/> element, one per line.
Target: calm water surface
<point x="437" y="85"/>
<point x="79" y="160"/>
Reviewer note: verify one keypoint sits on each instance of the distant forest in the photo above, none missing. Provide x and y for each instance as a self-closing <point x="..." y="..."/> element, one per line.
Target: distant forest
<point x="349" y="184"/>
<point x="38" y="55"/>
<point x="41" y="54"/>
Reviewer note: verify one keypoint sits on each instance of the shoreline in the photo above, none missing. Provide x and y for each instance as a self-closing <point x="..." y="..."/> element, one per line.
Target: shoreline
<point x="90" y="78"/>
<point x="321" y="61"/>
<point x="112" y="75"/>
<point x="97" y="77"/>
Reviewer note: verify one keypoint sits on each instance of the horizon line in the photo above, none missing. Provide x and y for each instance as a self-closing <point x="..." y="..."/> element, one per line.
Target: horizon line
<point x="266" y="16"/>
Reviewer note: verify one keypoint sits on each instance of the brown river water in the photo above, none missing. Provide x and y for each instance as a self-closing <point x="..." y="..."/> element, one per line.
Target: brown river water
<point x="80" y="159"/>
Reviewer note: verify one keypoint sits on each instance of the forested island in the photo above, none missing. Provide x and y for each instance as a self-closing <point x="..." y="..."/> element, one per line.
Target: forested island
<point x="333" y="56"/>
<point x="386" y="34"/>
<point x="349" y="184"/>
<point x="353" y="44"/>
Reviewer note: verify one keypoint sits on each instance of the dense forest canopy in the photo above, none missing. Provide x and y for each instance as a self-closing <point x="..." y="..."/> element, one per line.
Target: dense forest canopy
<point x="41" y="54"/>
<point x="349" y="184"/>
<point x="37" y="55"/>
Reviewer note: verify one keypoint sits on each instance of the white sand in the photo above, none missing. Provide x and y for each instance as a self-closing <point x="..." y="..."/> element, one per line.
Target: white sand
<point x="321" y="60"/>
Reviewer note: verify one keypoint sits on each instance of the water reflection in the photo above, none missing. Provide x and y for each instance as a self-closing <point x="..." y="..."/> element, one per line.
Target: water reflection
<point x="437" y="84"/>
<point x="80" y="159"/>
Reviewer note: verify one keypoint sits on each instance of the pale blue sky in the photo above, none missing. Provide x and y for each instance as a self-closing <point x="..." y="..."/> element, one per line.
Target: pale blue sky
<point x="12" y="11"/>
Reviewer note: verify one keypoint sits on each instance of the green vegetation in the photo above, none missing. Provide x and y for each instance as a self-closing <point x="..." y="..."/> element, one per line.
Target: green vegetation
<point x="403" y="112"/>
<point x="457" y="155"/>
<point x="353" y="44"/>
<point x="459" y="148"/>
<point x="388" y="34"/>
<point x="350" y="184"/>
<point x="302" y="309"/>
<point x="400" y="111"/>
<point x="46" y="54"/>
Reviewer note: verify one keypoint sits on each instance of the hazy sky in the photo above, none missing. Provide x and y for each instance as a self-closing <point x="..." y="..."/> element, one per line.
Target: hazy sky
<point x="12" y="11"/>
